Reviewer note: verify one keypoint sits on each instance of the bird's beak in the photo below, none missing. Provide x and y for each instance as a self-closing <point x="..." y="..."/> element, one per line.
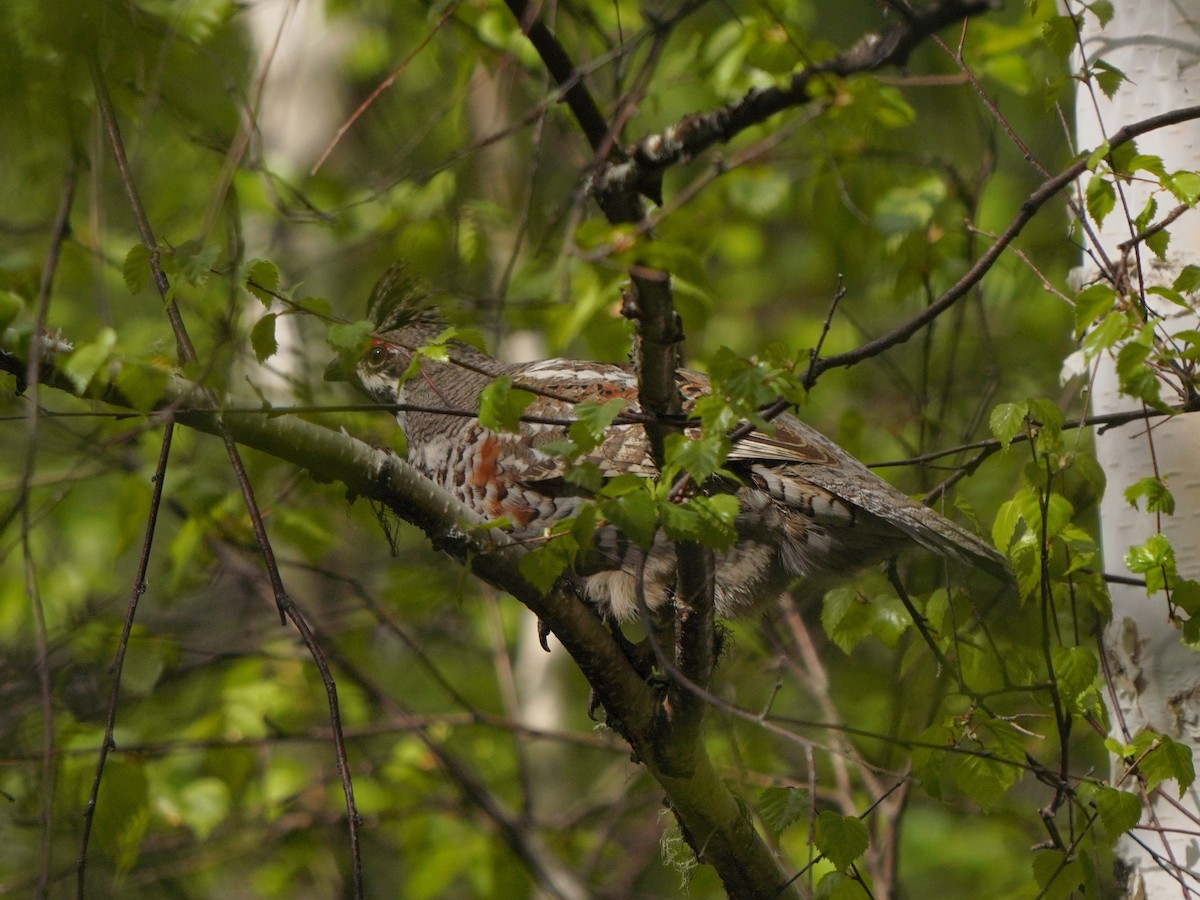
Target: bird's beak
<point x="336" y="370"/>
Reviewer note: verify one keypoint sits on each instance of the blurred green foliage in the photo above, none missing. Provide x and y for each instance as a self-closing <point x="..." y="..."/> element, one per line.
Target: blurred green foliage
<point x="223" y="781"/>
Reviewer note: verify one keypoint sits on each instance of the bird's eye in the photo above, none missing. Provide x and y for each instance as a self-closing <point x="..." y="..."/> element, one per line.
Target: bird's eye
<point x="377" y="355"/>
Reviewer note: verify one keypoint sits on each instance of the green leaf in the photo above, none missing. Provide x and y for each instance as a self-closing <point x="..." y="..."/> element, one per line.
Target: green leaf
<point x="1158" y="243"/>
<point x="194" y="261"/>
<point x="81" y="367"/>
<point x="350" y="338"/>
<point x="544" y="565"/>
<point x="984" y="778"/>
<point x="1091" y="303"/>
<point x="318" y="306"/>
<point x="849" y="617"/>
<point x="1075" y="669"/>
<point x="930" y="758"/>
<point x="625" y="484"/>
<point x="635" y="513"/>
<point x="1112" y="328"/>
<point x="1007" y="421"/>
<point x="715" y="517"/>
<point x="936" y="608"/>
<point x="1188" y="280"/>
<point x="1171" y="295"/>
<point x="122" y="812"/>
<point x="592" y="421"/>
<point x="1137" y="379"/>
<point x="680" y="521"/>
<point x="1046" y="413"/>
<point x="835" y="885"/>
<point x="1100" y="198"/>
<point x="700" y="457"/>
<point x="1056" y="875"/>
<point x="1160" y="759"/>
<point x="143" y="384"/>
<point x="1159" y="498"/>
<point x="262" y="278"/>
<point x="1097" y="156"/>
<point x="1186" y="595"/>
<point x="501" y="405"/>
<point x="1060" y="33"/>
<point x="782" y="807"/>
<point x="262" y="338"/>
<point x="909" y="207"/>
<point x="1102" y="10"/>
<point x="204" y="804"/>
<point x="136" y="268"/>
<point x="586" y="475"/>
<point x="1004" y="526"/>
<point x="1058" y="515"/>
<point x="841" y="839"/>
<point x="1108" y="77"/>
<point x="582" y="526"/>
<point x="1143" y="219"/>
<point x="1125" y="157"/>
<point x="10" y="306"/>
<point x="1155" y="559"/>
<point x="1185" y="186"/>
<point x="1119" y="810"/>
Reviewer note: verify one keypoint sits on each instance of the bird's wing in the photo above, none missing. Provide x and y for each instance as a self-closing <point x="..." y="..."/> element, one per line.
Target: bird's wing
<point x="558" y="385"/>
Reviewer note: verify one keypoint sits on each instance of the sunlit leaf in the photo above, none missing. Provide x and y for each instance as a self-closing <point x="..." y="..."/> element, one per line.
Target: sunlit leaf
<point x="136" y="268"/>
<point x="842" y="839"/>
<point x="262" y="338"/>
<point x="1100" y="197"/>
<point x="262" y="279"/>
<point x="1007" y="421"/>
<point x="350" y="338"/>
<point x="501" y="405"/>
<point x="83" y="365"/>
<point x="783" y="806"/>
<point x="1155" y="492"/>
<point x="1107" y="76"/>
<point x="1120" y="810"/>
<point x="10" y="306"/>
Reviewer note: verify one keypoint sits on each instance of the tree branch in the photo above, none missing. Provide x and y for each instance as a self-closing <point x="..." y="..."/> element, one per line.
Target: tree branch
<point x="695" y="133"/>
<point x="714" y="818"/>
<point x="648" y="302"/>
<point x="288" y="610"/>
<point x="1034" y="202"/>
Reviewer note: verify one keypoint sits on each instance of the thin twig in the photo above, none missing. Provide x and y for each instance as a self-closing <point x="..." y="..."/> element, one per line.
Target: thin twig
<point x="118" y="664"/>
<point x="1034" y="202"/>
<point x="187" y="354"/>
<point x="382" y="86"/>
<point x="58" y="234"/>
<point x="696" y="133"/>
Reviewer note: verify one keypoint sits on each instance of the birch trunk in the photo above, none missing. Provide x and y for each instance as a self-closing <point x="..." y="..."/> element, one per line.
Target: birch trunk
<point x="1155" y="679"/>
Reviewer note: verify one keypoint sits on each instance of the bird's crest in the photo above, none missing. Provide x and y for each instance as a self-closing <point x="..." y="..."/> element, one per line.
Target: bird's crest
<point x="399" y="299"/>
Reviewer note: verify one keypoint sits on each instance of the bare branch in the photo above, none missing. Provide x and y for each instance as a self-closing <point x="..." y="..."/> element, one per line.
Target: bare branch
<point x="695" y="133"/>
<point x="118" y="664"/>
<point x="1047" y="190"/>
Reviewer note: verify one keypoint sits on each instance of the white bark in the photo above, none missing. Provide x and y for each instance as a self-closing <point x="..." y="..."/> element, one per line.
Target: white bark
<point x="1156" y="678"/>
<point x="302" y="103"/>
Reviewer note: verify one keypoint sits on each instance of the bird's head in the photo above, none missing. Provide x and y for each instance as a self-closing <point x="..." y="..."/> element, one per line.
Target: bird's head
<point x="401" y="319"/>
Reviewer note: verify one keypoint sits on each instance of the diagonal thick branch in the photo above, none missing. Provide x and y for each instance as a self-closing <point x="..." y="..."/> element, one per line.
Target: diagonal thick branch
<point x="712" y="815"/>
